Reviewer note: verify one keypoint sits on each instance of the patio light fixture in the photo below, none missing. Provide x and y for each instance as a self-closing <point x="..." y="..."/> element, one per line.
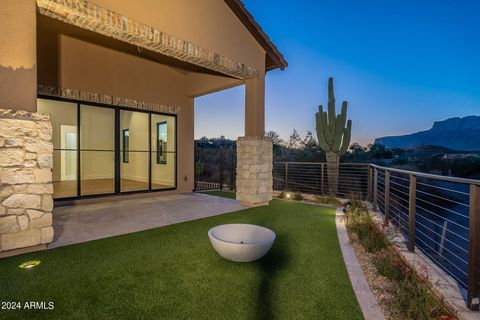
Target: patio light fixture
<point x="30" y="264"/>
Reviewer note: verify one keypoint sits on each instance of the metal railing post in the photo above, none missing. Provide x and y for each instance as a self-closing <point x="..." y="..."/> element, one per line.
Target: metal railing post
<point x="412" y="208"/>
<point x="473" y="294"/>
<point x="386" y="207"/>
<point x="286" y="176"/>
<point x="375" y="189"/>
<point x="369" y="184"/>
<point x="322" y="177"/>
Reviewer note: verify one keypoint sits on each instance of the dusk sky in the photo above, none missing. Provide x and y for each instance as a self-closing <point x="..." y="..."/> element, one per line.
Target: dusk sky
<point x="401" y="65"/>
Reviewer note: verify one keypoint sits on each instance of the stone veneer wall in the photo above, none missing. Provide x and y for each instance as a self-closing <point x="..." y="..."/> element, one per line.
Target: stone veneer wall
<point x="26" y="159"/>
<point x="254" y="170"/>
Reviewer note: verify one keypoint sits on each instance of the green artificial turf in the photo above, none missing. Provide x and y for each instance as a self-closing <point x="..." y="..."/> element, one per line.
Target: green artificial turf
<point x="173" y="273"/>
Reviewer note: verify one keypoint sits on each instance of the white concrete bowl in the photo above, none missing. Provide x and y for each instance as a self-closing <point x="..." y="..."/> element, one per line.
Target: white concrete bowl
<point x="241" y="242"/>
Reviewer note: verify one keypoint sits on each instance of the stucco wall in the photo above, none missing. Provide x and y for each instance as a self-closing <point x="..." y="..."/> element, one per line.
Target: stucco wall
<point x="208" y="23"/>
<point x="18" y="69"/>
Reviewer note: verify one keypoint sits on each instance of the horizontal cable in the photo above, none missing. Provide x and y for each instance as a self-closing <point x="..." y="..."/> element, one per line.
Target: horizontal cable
<point x="442" y="188"/>
<point x="440" y="226"/>
<point x="398" y="184"/>
<point x="444" y="259"/>
<point x="453" y="201"/>
<point x="443" y="267"/>
<point x="400" y="191"/>
<point x="442" y="218"/>
<point x="401" y="205"/>
<point x="440" y="207"/>
<point x="446" y="238"/>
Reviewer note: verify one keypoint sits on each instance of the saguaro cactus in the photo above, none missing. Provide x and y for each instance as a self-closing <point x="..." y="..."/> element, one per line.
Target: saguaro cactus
<point x="333" y="136"/>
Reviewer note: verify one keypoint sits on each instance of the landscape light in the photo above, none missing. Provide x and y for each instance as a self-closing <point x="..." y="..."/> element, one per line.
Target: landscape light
<point x="288" y="195"/>
<point x="29" y="264"/>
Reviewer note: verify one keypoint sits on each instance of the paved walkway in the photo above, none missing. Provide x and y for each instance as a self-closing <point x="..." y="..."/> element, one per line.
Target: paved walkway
<point x="81" y="223"/>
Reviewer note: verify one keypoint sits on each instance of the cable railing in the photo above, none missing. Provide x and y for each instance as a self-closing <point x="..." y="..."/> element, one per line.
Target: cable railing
<point x="438" y="215"/>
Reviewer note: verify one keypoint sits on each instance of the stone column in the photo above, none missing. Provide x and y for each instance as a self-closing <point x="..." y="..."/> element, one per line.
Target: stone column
<point x="254" y="170"/>
<point x="18" y="54"/>
<point x="26" y="160"/>
<point x="254" y="151"/>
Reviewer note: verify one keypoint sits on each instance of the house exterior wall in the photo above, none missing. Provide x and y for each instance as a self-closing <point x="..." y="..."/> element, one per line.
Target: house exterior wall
<point x="210" y="24"/>
<point x="18" y="69"/>
<point x="91" y="68"/>
<point x="67" y="62"/>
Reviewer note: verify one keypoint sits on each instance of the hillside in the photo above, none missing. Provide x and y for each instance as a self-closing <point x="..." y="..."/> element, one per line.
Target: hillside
<point x="454" y="133"/>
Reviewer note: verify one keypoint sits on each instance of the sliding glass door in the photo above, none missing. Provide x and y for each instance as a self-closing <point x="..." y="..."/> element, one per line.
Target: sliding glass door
<point x="104" y="150"/>
<point x="97" y="150"/>
<point x="134" y="149"/>
<point x="163" y="151"/>
<point x="63" y="117"/>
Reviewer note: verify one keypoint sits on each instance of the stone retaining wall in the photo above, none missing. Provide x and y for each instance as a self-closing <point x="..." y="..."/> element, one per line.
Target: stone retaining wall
<point x="254" y="170"/>
<point x="26" y="160"/>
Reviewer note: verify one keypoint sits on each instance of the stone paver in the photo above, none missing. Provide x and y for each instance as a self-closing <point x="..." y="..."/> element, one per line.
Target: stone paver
<point x="81" y="223"/>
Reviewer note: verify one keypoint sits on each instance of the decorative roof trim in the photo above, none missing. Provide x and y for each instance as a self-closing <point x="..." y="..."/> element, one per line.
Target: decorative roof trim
<point x="75" y="94"/>
<point x="277" y="59"/>
<point x="93" y="17"/>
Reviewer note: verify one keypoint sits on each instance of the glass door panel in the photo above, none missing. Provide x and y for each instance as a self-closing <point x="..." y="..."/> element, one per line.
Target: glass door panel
<point x="97" y="150"/>
<point x="63" y="116"/>
<point x="163" y="151"/>
<point x="134" y="151"/>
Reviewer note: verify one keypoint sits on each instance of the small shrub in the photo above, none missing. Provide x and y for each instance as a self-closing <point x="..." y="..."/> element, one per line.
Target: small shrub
<point x="371" y="238"/>
<point x="360" y="223"/>
<point x="389" y="265"/>
<point x="297" y="197"/>
<point x="413" y="298"/>
<point x="281" y="195"/>
<point x="328" y="200"/>
<point x="358" y="205"/>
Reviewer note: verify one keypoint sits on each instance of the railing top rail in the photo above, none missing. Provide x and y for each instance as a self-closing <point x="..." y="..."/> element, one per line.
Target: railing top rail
<point x="429" y="175"/>
<point x="317" y="163"/>
<point x="407" y="172"/>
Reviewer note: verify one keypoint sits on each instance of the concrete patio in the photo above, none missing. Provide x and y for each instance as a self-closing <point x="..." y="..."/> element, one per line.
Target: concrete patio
<point x="81" y="223"/>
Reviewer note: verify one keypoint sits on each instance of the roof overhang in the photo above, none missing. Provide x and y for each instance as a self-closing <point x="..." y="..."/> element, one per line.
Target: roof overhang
<point x="274" y="59"/>
<point x="92" y="17"/>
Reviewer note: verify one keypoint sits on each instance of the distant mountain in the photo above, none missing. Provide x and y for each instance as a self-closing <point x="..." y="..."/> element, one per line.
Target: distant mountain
<point x="454" y="133"/>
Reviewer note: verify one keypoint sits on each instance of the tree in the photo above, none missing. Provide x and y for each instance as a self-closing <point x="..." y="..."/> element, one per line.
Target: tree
<point x="294" y="141"/>
<point x="276" y="140"/>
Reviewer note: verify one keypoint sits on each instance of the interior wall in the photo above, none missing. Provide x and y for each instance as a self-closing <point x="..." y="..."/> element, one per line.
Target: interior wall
<point x="61" y="113"/>
<point x="137" y="166"/>
<point x="97" y="133"/>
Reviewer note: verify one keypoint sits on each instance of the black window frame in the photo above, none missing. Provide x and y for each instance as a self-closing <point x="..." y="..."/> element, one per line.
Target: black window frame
<point x="160" y="152"/>
<point x="125" y="146"/>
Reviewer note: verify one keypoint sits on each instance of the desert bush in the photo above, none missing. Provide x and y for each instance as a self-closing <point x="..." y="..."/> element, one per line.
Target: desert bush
<point x="360" y="223"/>
<point x="297" y="197"/>
<point x="328" y="200"/>
<point x="281" y="195"/>
<point x="389" y="265"/>
<point x="413" y="298"/>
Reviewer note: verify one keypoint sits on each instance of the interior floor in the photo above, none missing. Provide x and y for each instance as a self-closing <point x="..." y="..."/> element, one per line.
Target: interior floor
<point x="64" y="189"/>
